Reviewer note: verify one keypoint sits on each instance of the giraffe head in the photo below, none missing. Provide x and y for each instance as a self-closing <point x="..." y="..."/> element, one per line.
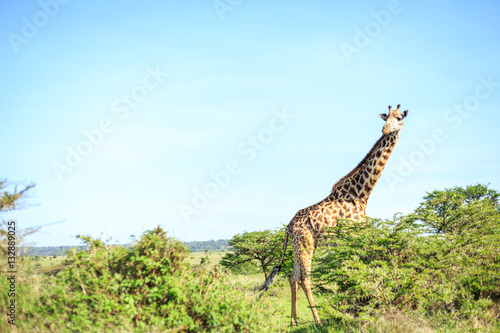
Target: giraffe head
<point x="393" y="120"/>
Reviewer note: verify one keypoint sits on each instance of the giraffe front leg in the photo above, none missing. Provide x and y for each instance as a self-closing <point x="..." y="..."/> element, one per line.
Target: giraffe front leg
<point x="306" y="286"/>
<point x="294" y="287"/>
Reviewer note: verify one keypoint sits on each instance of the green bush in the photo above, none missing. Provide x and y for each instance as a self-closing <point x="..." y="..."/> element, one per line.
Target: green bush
<point x="376" y="266"/>
<point x="145" y="287"/>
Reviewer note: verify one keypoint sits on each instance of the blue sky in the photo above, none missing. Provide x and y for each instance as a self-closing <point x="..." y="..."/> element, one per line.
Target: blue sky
<point x="216" y="117"/>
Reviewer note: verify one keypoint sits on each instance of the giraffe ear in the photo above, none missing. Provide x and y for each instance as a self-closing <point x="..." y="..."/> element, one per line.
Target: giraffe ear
<point x="383" y="116"/>
<point x="405" y="113"/>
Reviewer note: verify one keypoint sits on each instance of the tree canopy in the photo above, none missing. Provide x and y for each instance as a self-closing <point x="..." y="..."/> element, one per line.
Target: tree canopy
<point x="457" y="209"/>
<point x="265" y="247"/>
<point x="12" y="195"/>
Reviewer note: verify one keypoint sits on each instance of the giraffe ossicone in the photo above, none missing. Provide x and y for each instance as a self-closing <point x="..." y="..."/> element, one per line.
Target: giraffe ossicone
<point x="348" y="200"/>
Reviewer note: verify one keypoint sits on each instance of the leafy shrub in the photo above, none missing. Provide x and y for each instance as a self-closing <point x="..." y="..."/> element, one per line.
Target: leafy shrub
<point x="147" y="286"/>
<point x="376" y="266"/>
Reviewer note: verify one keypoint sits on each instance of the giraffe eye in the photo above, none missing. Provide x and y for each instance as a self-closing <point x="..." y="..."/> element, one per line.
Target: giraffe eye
<point x="399" y="118"/>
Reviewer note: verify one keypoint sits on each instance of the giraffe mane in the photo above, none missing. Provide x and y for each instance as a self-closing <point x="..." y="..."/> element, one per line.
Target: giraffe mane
<point x="360" y="164"/>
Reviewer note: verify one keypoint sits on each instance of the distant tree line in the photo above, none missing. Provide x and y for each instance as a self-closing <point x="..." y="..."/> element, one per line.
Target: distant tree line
<point x="195" y="246"/>
<point x="41" y="251"/>
<point x="210" y="245"/>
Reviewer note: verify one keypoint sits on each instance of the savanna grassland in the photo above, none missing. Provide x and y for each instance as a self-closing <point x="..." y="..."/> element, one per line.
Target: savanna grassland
<point x="436" y="269"/>
<point x="54" y="297"/>
<point x="275" y="306"/>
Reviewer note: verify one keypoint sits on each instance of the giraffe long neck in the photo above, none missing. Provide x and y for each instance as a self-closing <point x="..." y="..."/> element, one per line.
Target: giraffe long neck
<point x="359" y="183"/>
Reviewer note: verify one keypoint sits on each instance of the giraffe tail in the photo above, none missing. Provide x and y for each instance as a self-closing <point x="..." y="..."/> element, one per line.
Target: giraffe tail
<point x="276" y="269"/>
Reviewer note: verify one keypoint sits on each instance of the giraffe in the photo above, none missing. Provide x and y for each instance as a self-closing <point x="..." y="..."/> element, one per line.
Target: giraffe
<point x="348" y="200"/>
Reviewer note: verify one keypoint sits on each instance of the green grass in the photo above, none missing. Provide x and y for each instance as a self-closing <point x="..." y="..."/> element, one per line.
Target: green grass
<point x="195" y="258"/>
<point x="45" y="264"/>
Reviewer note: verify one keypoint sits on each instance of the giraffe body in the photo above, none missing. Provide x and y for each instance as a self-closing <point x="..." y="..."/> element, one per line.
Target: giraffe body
<point x="348" y="200"/>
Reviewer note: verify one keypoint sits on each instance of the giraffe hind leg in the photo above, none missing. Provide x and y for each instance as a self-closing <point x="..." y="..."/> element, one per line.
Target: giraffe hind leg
<point x="305" y="282"/>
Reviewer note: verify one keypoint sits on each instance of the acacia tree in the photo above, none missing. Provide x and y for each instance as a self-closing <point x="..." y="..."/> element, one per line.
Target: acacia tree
<point x="265" y="247"/>
<point x="457" y="209"/>
<point x="12" y="197"/>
